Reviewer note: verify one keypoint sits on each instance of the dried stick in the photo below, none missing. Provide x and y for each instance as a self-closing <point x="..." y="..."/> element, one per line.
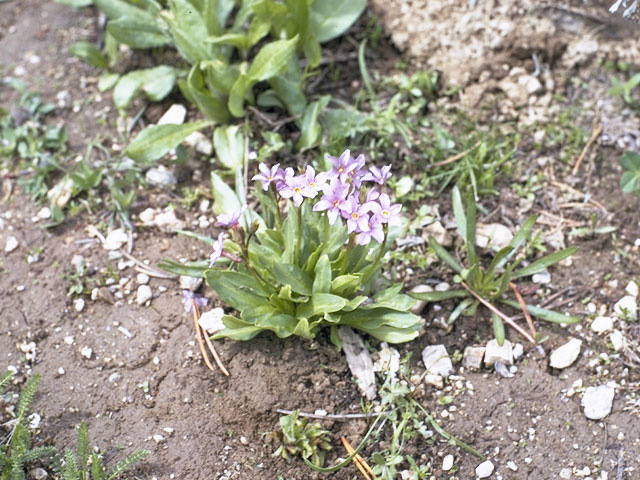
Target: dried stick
<point x="503" y="316"/>
<point x="455" y="157"/>
<point x="329" y="416"/>
<point x="360" y="463"/>
<point x="597" y="131"/>
<point x="196" y="325"/>
<point x="525" y="310"/>
<point x="216" y="357"/>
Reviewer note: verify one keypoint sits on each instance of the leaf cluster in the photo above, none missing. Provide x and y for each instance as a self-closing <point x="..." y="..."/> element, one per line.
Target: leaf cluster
<point x="630" y="180"/>
<point x="298" y="436"/>
<point x="490" y="283"/>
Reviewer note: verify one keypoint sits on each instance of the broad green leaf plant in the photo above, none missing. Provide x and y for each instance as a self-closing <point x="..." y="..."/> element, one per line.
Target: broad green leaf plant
<point x="484" y="286"/>
<point x="307" y="260"/>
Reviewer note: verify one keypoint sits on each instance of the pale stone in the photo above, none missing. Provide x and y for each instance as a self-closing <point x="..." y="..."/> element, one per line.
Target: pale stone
<point x="493" y="235"/>
<point x="86" y="352"/>
<point x="44" y="213"/>
<point x="617" y="340"/>
<point x="541" y="278"/>
<point x="447" y="463"/>
<point x="211" y="321"/>
<point x="602" y="324"/>
<point x="436" y="360"/>
<point x="160" y="176"/>
<point x="200" y="142"/>
<point x="485" y="469"/>
<point x="434" y="380"/>
<point x="388" y="360"/>
<point x="174" y="115"/>
<point x="597" y="402"/>
<point x="143" y="294"/>
<point x="420" y="304"/>
<point x="115" y="239"/>
<point x="359" y="361"/>
<point x="512" y="466"/>
<point x="626" y="307"/>
<point x="190" y="283"/>
<point x="78" y="304"/>
<point x="518" y="351"/>
<point x="142" y="278"/>
<point x="496" y="353"/>
<point x="12" y="244"/>
<point x="165" y="220"/>
<point x="472" y="357"/>
<point x="632" y="288"/>
<point x="566" y="354"/>
<point x="439" y="233"/>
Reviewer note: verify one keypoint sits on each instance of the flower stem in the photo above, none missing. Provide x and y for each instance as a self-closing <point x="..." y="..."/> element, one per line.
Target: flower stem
<point x="347" y="253"/>
<point x="378" y="259"/>
<point x="299" y="242"/>
<point x="274" y="192"/>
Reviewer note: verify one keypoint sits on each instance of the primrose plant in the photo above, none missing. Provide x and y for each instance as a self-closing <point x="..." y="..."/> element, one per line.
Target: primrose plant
<point x="311" y="257"/>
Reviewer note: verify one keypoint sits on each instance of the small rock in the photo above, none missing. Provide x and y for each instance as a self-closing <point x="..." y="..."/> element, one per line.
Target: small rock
<point x="447" y="463"/>
<point x="626" y="308"/>
<point x="211" y="321"/>
<point x="541" y="278"/>
<point x="174" y="115"/>
<point x="44" y="213"/>
<point x="632" y="288"/>
<point x="142" y="278"/>
<point x="485" y="469"/>
<point x="12" y="244"/>
<point x="598" y="401"/>
<point x="439" y="233"/>
<point x="617" y="340"/>
<point x="436" y="360"/>
<point x="86" y="352"/>
<point x="68" y="340"/>
<point x="518" y="351"/>
<point x="602" y="324"/>
<point x="115" y="239"/>
<point x="34" y="421"/>
<point x="388" y="360"/>
<point x="38" y="474"/>
<point x="61" y="371"/>
<point x="434" y="380"/>
<point x="565" y="355"/>
<point x="565" y="473"/>
<point x="158" y="438"/>
<point x="496" y="353"/>
<point x="512" y="466"/>
<point x="420" y="304"/>
<point x="200" y="142"/>
<point x="190" y="283"/>
<point x="359" y="361"/>
<point x="114" y="377"/>
<point x="160" y="176"/>
<point x="244" y="441"/>
<point x="165" y="220"/>
<point x="143" y="294"/>
<point x="502" y="370"/>
<point x="79" y="304"/>
<point x="493" y="235"/>
<point x="472" y="357"/>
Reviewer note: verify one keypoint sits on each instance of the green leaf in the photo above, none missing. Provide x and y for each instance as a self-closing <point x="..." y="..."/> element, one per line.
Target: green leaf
<point x="237" y="95"/>
<point x="272" y="59"/>
<point x="322" y="280"/>
<point x="228" y="142"/>
<point x="237" y="40"/>
<point x="444" y="255"/>
<point x="190" y="269"/>
<point x="320" y="303"/>
<point x="518" y="240"/>
<point x="189" y="31"/>
<point x="544" y="314"/>
<point x="157" y="140"/>
<point x="498" y="329"/>
<point x="137" y="34"/>
<point x="236" y="329"/>
<point x="288" y="274"/>
<point x="107" y="81"/>
<point x="331" y="18"/>
<point x="208" y="102"/>
<point x="156" y="82"/>
<point x="89" y="53"/>
<point x="544" y="262"/>
<point x="290" y="93"/>
<point x="311" y="129"/>
<point x="439" y="296"/>
<point x="118" y="8"/>
<point x="75" y="3"/>
<point x="238" y="290"/>
<point x="458" y="211"/>
<point x="630" y="180"/>
<point x="282" y="325"/>
<point x="345" y="285"/>
<point x="225" y="199"/>
<point x="470" y="238"/>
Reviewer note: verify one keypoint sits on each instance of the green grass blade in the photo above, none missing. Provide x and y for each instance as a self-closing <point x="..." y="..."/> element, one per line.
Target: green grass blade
<point x="458" y="212"/>
<point x="518" y="239"/>
<point x="126" y="463"/>
<point x="470" y="237"/>
<point x="438" y="296"/>
<point x="544" y="314"/>
<point x="498" y="329"/>
<point x="544" y="262"/>
<point x="444" y="255"/>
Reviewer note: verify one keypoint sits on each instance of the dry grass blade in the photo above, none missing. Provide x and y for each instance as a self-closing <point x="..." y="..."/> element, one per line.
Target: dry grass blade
<point x="596" y="132"/>
<point x="216" y="357"/>
<point x="455" y="157"/>
<point x="525" y="310"/>
<point x="360" y="462"/>
<point x="196" y="325"/>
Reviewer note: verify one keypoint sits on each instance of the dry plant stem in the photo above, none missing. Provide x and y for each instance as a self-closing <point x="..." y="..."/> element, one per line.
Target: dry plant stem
<point x="596" y="132"/>
<point x="196" y="325"/>
<point x="362" y="466"/>
<point x="499" y="313"/>
<point x="455" y="157"/>
<point x="147" y="268"/>
<point x="153" y="273"/>
<point x="216" y="357"/>
<point x="329" y="416"/>
<point x="525" y="310"/>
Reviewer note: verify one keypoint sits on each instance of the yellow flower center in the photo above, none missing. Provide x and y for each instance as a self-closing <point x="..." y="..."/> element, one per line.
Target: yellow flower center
<point x="336" y="203"/>
<point x="312" y="184"/>
<point x="354" y="215"/>
<point x="340" y="169"/>
<point x="385" y="213"/>
<point x="297" y="190"/>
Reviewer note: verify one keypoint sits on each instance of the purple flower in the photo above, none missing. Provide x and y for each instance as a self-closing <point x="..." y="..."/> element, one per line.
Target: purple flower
<point x="356" y="174"/>
<point x="230" y="220"/>
<point x="356" y="215"/>
<point x="372" y="195"/>
<point x="294" y="188"/>
<point x="375" y="231"/>
<point x="386" y="212"/>
<point x="378" y="175"/>
<point x="188" y="297"/>
<point x="313" y="182"/>
<point x="218" y="247"/>
<point x="268" y="175"/>
<point x="342" y="165"/>
<point x="333" y="200"/>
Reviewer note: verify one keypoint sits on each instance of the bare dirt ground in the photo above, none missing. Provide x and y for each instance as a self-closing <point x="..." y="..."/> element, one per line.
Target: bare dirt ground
<point x="144" y="378"/>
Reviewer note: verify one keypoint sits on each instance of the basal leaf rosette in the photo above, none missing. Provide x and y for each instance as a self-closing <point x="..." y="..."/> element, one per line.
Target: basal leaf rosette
<point x="310" y="257"/>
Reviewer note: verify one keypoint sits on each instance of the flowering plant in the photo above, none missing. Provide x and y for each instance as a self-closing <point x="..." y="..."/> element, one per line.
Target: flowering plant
<point x="311" y="256"/>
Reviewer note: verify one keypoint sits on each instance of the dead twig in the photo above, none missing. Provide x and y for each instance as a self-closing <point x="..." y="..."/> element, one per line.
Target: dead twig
<point x="502" y="315"/>
<point x="216" y="357"/>
<point x="525" y="310"/>
<point x="455" y="157"/>
<point x="360" y="463"/>
<point x="596" y="132"/>
<point x="196" y="325"/>
<point x="330" y="416"/>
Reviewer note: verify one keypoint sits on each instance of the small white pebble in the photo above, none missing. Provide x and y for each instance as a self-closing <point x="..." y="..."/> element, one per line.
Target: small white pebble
<point x="86" y="352"/>
<point x="68" y="340"/>
<point x="12" y="244"/>
<point x="61" y="371"/>
<point x="447" y="463"/>
<point x="512" y="466"/>
<point x="158" y="438"/>
<point x="142" y="279"/>
<point x="79" y="304"/>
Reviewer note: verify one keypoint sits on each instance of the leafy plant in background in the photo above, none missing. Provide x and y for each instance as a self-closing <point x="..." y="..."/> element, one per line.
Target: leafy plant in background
<point x="624" y="89"/>
<point x="307" y="261"/>
<point x="485" y="285"/>
<point x="297" y="436"/>
<point x="630" y="180"/>
<point x="16" y="449"/>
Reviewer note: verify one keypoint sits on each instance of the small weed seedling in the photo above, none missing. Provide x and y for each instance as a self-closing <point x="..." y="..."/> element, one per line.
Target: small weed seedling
<point x="630" y="181"/>
<point x="484" y="286"/>
<point x="307" y="261"/>
<point x="297" y="436"/>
